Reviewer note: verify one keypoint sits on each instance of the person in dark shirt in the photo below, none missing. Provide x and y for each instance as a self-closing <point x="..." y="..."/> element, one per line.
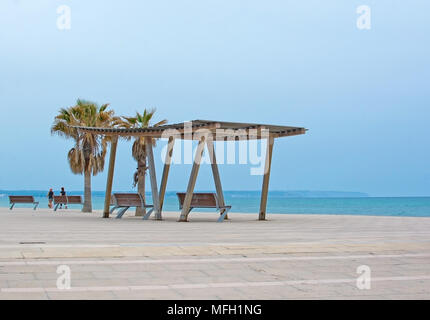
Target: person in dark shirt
<point x="63" y="193"/>
<point x="50" y="198"/>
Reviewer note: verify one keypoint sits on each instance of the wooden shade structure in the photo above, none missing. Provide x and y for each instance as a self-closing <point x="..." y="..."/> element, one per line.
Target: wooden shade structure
<point x="205" y="132"/>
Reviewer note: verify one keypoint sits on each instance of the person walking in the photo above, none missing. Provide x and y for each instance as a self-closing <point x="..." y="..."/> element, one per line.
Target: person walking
<point x="63" y="193"/>
<point x="50" y="198"/>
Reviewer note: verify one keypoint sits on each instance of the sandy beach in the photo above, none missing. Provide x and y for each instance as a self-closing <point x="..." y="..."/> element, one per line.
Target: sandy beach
<point x="286" y="257"/>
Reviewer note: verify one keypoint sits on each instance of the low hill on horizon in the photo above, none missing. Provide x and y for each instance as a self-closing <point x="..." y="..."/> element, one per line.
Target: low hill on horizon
<point x="232" y="193"/>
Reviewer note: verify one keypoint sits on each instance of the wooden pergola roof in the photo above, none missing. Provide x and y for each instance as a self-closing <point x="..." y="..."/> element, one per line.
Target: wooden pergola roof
<point x="235" y="130"/>
<point x="191" y="130"/>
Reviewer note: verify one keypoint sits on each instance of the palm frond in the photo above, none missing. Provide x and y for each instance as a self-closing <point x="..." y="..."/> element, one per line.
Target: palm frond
<point x="90" y="149"/>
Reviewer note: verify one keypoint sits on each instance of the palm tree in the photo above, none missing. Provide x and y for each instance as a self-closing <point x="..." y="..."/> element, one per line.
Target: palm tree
<point x="88" y="155"/>
<point x="138" y="149"/>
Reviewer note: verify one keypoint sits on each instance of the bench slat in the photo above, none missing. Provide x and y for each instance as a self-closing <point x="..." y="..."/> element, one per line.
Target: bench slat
<point x="74" y="199"/>
<point x="60" y="199"/>
<point x="199" y="200"/>
<point x="67" y="199"/>
<point x="21" y="199"/>
<point x="204" y="200"/>
<point x="127" y="199"/>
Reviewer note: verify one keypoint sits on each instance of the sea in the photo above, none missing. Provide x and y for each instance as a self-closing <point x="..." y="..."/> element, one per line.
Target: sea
<point x="282" y="202"/>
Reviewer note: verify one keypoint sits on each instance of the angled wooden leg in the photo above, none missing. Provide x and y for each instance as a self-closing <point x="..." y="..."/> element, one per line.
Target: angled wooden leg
<point x="215" y="173"/>
<point x="266" y="177"/>
<point x="192" y="182"/>
<point x="109" y="182"/>
<point x="166" y="169"/>
<point x="153" y="178"/>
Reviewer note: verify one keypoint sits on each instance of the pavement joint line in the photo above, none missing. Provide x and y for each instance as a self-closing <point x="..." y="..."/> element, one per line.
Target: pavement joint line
<point x="180" y="244"/>
<point x="208" y="285"/>
<point x="206" y="260"/>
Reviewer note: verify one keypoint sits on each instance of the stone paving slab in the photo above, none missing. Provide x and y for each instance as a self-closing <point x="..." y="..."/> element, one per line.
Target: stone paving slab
<point x="239" y="259"/>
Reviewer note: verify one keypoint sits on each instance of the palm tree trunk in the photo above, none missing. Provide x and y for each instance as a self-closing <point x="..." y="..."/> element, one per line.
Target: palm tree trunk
<point x="87" y="192"/>
<point x="141" y="185"/>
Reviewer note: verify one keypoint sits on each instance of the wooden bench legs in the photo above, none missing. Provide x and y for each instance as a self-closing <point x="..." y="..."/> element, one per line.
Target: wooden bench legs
<point x="125" y="208"/>
<point x="35" y="204"/>
<point x="121" y="212"/>
<point x="148" y="214"/>
<point x="224" y="214"/>
<point x="58" y="204"/>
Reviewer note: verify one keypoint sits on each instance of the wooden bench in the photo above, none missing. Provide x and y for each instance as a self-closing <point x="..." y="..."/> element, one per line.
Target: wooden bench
<point x="204" y="200"/>
<point x="66" y="200"/>
<point x="22" y="199"/>
<point x="127" y="200"/>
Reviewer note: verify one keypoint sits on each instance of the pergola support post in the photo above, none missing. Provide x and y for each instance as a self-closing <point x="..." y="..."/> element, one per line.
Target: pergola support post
<point x="166" y="169"/>
<point x="153" y="178"/>
<point x="113" y="146"/>
<point x="266" y="177"/>
<point x="215" y="173"/>
<point x="192" y="182"/>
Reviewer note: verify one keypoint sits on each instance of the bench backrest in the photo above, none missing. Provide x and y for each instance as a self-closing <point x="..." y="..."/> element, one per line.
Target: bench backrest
<point x="60" y="199"/>
<point x="200" y="200"/>
<point x="68" y="199"/>
<point x="128" y="199"/>
<point x="21" y="199"/>
<point x="74" y="199"/>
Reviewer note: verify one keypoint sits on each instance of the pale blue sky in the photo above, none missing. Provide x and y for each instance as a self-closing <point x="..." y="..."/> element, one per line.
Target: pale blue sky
<point x="364" y="94"/>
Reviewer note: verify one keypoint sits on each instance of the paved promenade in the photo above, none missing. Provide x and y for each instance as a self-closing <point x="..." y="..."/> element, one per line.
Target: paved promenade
<point x="287" y="257"/>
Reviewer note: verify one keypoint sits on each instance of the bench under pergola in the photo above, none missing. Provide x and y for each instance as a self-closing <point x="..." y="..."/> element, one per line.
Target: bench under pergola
<point x="205" y="132"/>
